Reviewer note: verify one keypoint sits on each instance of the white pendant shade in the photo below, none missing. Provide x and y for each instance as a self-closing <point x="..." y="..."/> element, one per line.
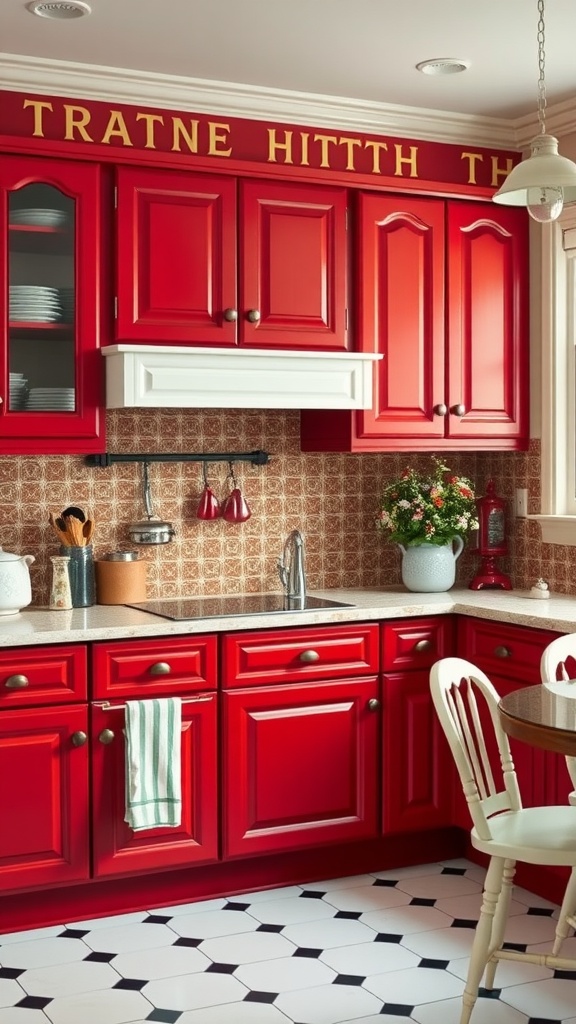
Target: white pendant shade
<point x="543" y="169"/>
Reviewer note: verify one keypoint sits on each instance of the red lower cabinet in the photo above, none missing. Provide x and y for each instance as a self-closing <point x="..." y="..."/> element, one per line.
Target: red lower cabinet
<point x="301" y="765"/>
<point x="117" y="850"/>
<point x="44" y="808"/>
<point x="417" y="771"/>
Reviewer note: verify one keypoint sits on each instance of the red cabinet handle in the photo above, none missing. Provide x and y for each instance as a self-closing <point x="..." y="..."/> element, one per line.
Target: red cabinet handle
<point x="161" y="668"/>
<point x="106" y="736"/>
<point x="309" y="656"/>
<point x="253" y="316"/>
<point x="79" y="738"/>
<point x="230" y="315"/>
<point x="17" y="682"/>
<point x="458" y="410"/>
<point x="373" y="704"/>
<point x="423" y="645"/>
<point x="440" y="409"/>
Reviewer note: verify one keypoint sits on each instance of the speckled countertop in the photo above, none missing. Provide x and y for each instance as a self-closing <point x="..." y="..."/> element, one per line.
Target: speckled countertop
<point x="117" y="622"/>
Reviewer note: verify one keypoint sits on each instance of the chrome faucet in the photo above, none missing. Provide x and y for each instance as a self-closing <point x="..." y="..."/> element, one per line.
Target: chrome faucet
<point x="291" y="569"/>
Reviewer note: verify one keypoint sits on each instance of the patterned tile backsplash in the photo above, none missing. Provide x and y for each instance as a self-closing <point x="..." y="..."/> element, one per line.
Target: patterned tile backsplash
<point x="332" y="498"/>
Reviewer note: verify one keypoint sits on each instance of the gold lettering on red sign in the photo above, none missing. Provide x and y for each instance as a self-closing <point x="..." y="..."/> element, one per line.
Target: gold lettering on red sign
<point x="305" y="137"/>
<point x="377" y="148"/>
<point x="150" y="120"/>
<point x="76" y="123"/>
<point x="406" y="160"/>
<point x="350" y="144"/>
<point x="216" y="137"/>
<point x="274" y="144"/>
<point x="179" y="130"/>
<point x="471" y="158"/>
<point x="116" y="127"/>
<point x="325" y="141"/>
<point x="497" y="172"/>
<point x="39" y="107"/>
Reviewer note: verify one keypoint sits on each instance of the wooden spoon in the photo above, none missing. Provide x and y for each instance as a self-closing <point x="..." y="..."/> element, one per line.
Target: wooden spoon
<point x="88" y="530"/>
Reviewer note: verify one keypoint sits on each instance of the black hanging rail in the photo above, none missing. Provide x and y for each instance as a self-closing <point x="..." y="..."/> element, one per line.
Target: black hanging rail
<point x="257" y="458"/>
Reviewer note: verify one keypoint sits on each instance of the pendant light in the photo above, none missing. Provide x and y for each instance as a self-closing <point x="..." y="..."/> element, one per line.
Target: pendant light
<point x="545" y="180"/>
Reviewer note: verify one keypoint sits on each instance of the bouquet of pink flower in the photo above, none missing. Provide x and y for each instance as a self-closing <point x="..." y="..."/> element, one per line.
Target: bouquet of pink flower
<point x="418" y="509"/>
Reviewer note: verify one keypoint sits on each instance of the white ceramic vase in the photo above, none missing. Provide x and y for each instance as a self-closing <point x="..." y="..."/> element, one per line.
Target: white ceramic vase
<point x="430" y="568"/>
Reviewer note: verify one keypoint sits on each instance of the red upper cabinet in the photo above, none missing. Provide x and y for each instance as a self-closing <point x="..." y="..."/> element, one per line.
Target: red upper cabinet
<point x="176" y="264"/>
<point x="442" y="294"/>
<point x="50" y="368"/>
<point x="207" y="260"/>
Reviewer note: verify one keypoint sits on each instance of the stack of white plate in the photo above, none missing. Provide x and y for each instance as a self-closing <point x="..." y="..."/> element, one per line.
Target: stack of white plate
<point x="18" y="391"/>
<point x="50" y="400"/>
<point x="34" y="303"/>
<point x="68" y="304"/>
<point x="40" y="217"/>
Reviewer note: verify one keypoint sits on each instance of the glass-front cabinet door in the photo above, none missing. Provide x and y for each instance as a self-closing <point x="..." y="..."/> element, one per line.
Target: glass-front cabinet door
<point x="50" y="366"/>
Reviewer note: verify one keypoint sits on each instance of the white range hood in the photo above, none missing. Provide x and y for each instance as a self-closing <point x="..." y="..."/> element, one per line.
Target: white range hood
<point x="167" y="377"/>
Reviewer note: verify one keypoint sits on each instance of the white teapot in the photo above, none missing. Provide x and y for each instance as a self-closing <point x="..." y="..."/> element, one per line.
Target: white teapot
<point x="15" y="589"/>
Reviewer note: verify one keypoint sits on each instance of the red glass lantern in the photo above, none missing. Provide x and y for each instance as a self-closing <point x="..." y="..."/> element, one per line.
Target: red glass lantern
<point x="491" y="541"/>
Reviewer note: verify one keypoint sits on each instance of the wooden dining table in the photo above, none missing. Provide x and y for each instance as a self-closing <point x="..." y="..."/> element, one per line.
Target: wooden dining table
<point x="541" y="718"/>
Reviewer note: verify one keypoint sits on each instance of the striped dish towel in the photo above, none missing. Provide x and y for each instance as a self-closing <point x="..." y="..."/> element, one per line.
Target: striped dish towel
<point x="153" y="767"/>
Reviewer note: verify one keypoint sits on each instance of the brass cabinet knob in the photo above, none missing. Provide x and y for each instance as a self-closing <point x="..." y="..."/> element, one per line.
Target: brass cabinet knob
<point x="106" y="736"/>
<point x="17" y="682"/>
<point x="458" y="410"/>
<point x="161" y="668"/>
<point x="440" y="409"/>
<point x="309" y="656"/>
<point x="423" y="645"/>
<point x="231" y="315"/>
<point x="502" y="652"/>
<point x="79" y="738"/>
<point x="253" y="315"/>
<point x="373" y="704"/>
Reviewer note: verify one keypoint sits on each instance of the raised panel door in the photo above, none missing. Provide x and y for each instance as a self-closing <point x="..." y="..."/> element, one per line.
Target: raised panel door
<point x="300" y="765"/>
<point x="51" y="377"/>
<point x="176" y="263"/>
<point x="292" y="265"/>
<point x="44" y="810"/>
<point x="488" y="349"/>
<point x="117" y="849"/>
<point x="417" y="790"/>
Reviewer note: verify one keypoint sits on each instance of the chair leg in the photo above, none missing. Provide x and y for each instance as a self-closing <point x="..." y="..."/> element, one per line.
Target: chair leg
<point x="483" y="937"/>
<point x="500" y="919"/>
<point x="571" y="766"/>
<point x="567" y="910"/>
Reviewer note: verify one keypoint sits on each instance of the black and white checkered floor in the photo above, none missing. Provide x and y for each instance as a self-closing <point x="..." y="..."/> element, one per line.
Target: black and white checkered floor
<point x="379" y="948"/>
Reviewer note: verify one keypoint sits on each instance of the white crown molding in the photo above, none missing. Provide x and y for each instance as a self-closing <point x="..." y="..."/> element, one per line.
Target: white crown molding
<point x="560" y="120"/>
<point x="119" y="85"/>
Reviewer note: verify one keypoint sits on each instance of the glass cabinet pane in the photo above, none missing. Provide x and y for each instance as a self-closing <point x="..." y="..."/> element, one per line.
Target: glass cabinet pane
<point x="42" y="300"/>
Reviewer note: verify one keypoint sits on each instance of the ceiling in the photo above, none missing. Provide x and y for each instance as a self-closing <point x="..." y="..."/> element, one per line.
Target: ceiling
<point x="361" y="49"/>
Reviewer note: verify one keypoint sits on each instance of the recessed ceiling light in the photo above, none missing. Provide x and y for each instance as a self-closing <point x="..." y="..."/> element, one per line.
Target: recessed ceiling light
<point x="60" y="9"/>
<point x="443" y="66"/>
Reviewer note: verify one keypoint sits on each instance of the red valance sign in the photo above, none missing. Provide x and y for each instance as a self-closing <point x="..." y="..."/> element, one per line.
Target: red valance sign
<point x="92" y="125"/>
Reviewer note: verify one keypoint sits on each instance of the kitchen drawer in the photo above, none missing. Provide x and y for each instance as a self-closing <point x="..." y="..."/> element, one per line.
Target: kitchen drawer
<point x="141" y="668"/>
<point x="416" y="643"/>
<point x="43" y="675"/>
<point x="288" y="655"/>
<point x="503" y="649"/>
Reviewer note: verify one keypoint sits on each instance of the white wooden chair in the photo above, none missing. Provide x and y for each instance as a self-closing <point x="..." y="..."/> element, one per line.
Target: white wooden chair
<point x="466" y="703"/>
<point x="558" y="661"/>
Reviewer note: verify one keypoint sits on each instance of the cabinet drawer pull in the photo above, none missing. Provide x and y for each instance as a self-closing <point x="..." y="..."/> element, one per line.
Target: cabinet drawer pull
<point x="440" y="409"/>
<point x="458" y="410"/>
<point x="17" y="682"/>
<point x="502" y="652"/>
<point x="79" y="738"/>
<point x="106" y="736"/>
<point x="373" y="704"/>
<point x="309" y="656"/>
<point x="161" y="668"/>
<point x="253" y="316"/>
<point x="423" y="645"/>
<point x="230" y="315"/>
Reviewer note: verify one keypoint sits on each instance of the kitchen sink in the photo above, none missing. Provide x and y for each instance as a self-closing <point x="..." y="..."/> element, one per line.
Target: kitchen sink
<point x="182" y="608"/>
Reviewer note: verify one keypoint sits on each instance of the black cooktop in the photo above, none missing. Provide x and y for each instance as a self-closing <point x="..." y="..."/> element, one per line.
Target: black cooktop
<point x="181" y="608"/>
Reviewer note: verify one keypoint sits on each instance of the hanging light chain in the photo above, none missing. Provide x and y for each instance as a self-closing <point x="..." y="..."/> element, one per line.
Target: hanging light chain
<point x="541" y="63"/>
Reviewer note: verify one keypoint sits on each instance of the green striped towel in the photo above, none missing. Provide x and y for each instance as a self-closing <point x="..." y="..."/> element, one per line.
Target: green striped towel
<point x="153" y="767"/>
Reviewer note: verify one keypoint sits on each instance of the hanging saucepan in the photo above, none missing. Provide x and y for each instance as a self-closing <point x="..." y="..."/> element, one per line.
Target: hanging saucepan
<point x="151" y="530"/>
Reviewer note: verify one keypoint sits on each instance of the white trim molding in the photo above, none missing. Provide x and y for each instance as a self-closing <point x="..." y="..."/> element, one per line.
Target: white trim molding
<point x="120" y="85"/>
